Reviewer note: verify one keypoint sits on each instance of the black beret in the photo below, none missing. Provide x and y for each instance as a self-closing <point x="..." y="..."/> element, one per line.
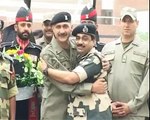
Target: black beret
<point x="61" y="17"/>
<point x="84" y="28"/>
<point x="89" y="14"/>
<point x="24" y="14"/>
<point x="1" y="24"/>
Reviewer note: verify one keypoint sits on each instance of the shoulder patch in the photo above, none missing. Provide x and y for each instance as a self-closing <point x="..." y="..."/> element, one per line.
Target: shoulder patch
<point x="6" y="44"/>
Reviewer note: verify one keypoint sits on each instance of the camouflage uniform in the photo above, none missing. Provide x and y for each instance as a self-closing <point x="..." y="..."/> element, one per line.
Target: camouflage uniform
<point x="94" y="106"/>
<point x="128" y="80"/>
<point x="8" y="87"/>
<point x="55" y="98"/>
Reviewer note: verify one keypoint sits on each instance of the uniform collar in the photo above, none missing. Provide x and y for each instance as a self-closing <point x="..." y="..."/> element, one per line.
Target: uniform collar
<point x="93" y="50"/>
<point x="15" y="44"/>
<point x="57" y="47"/>
<point x="135" y="42"/>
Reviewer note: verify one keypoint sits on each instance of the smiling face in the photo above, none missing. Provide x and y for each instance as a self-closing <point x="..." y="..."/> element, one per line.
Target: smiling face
<point x="62" y="31"/>
<point x="47" y="30"/>
<point x="23" y="30"/>
<point x="84" y="43"/>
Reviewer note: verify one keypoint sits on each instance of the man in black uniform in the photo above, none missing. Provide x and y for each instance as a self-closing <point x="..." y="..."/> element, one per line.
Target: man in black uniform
<point x="89" y="15"/>
<point x="23" y="28"/>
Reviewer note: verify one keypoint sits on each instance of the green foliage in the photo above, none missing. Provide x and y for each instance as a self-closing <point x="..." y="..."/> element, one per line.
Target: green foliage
<point x="31" y="75"/>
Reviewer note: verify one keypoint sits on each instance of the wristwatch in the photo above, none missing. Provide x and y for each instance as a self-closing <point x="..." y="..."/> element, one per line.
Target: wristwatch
<point x="45" y="71"/>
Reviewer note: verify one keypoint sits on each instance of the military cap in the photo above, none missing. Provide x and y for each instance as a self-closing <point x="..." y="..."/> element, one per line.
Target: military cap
<point x="24" y="14"/>
<point x="130" y="12"/>
<point x="1" y="24"/>
<point x="84" y="28"/>
<point x="89" y="14"/>
<point x="61" y="17"/>
<point x="47" y="19"/>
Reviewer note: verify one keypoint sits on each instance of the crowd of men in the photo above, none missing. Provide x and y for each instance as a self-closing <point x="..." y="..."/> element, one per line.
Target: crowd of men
<point x="84" y="79"/>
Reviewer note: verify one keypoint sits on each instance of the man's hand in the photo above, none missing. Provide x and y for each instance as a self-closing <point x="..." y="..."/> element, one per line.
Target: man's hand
<point x="99" y="86"/>
<point x="106" y="64"/>
<point x="42" y="65"/>
<point x="120" y="109"/>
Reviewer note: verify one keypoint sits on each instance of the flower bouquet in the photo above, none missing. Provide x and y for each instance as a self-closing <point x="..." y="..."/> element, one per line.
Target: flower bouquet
<point x="31" y="75"/>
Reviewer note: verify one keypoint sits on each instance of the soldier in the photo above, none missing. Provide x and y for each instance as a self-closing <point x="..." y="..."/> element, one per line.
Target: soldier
<point x="8" y="89"/>
<point x="47" y="32"/>
<point x="89" y="15"/>
<point x="84" y="107"/>
<point x="128" y="80"/>
<point x="23" y="28"/>
<point x="61" y="54"/>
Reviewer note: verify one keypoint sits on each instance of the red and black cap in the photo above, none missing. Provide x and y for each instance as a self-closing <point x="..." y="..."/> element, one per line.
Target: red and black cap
<point x="84" y="28"/>
<point x="24" y="14"/>
<point x="61" y="17"/>
<point x="89" y="13"/>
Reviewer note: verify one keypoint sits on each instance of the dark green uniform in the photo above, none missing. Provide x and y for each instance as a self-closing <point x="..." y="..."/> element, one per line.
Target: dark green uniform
<point x="8" y="86"/>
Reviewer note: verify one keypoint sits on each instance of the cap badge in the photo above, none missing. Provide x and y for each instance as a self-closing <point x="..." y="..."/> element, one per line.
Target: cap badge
<point x="87" y="16"/>
<point x="27" y="18"/>
<point x="85" y="29"/>
<point x="66" y="17"/>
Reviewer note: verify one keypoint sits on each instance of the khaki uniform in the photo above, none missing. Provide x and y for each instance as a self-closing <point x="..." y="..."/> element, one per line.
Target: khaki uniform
<point x="55" y="97"/>
<point x="128" y="80"/>
<point x="41" y="41"/>
<point x="8" y="87"/>
<point x="94" y="106"/>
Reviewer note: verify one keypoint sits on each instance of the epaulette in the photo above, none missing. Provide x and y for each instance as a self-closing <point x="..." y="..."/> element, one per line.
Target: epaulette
<point x="5" y="44"/>
<point x="36" y="46"/>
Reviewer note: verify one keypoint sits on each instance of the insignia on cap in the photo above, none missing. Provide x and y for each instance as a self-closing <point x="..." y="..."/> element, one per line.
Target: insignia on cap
<point x="87" y="16"/>
<point x="66" y="17"/>
<point x="27" y="18"/>
<point x="85" y="29"/>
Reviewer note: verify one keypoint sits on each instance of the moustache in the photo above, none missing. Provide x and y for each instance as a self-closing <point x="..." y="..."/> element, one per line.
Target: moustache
<point x="62" y="34"/>
<point x="80" y="45"/>
<point x="26" y="32"/>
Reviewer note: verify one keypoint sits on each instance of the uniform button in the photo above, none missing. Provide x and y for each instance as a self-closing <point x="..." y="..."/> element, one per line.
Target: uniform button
<point x="124" y="59"/>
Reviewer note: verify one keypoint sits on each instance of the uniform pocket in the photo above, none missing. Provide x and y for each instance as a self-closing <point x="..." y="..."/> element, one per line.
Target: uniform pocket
<point x="3" y="85"/>
<point x="139" y="57"/>
<point x="138" y="61"/>
<point x="110" y="55"/>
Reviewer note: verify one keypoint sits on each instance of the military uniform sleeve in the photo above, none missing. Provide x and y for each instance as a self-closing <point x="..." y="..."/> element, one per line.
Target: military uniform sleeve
<point x="12" y="87"/>
<point x="84" y="88"/>
<point x="89" y="69"/>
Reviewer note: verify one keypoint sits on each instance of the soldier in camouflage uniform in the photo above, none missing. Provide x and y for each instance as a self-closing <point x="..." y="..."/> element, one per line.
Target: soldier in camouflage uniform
<point x="8" y="89"/>
<point x="85" y="107"/>
<point x="61" y="54"/>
